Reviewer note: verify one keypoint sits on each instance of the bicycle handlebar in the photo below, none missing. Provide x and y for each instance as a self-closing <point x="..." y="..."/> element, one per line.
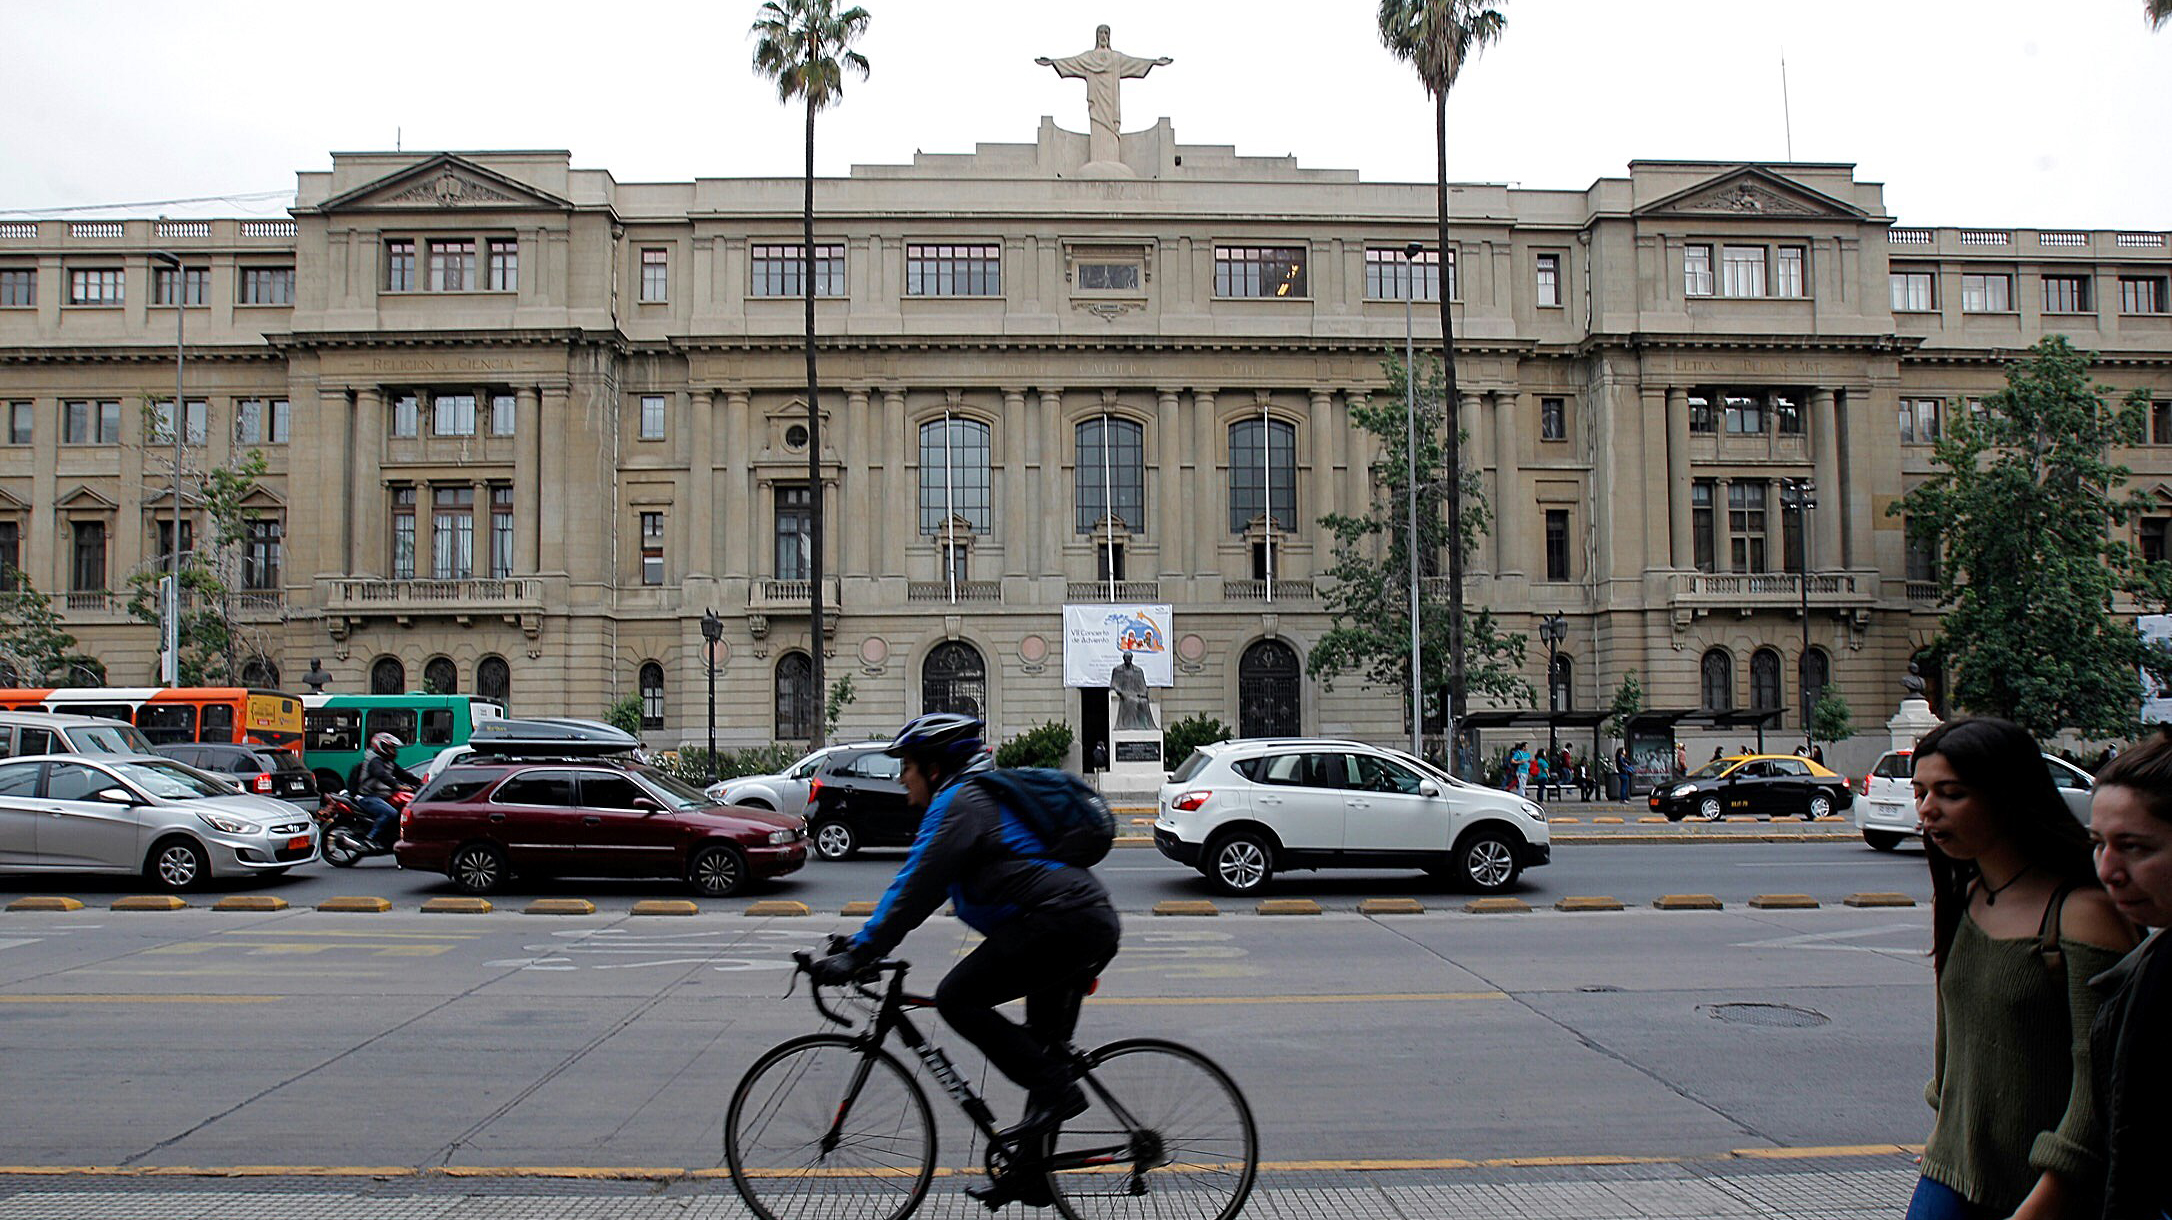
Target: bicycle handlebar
<point x="805" y="961"/>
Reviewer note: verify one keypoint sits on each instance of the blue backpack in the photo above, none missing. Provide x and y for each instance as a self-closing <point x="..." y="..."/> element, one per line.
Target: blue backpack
<point x="1070" y="819"/>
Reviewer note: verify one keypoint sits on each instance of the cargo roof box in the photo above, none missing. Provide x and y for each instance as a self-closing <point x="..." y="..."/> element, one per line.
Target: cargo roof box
<point x="550" y="736"/>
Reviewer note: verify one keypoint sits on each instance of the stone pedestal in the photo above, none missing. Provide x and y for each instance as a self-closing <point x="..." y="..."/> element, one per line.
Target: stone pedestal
<point x="1910" y="723"/>
<point x="1135" y="761"/>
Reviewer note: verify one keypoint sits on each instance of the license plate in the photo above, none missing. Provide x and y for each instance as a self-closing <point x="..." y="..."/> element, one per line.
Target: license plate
<point x="298" y="843"/>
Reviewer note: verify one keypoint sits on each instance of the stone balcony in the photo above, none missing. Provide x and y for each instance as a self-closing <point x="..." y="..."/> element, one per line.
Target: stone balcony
<point x="1097" y="591"/>
<point x="1695" y="594"/>
<point x="1258" y="591"/>
<point x="769" y="598"/>
<point x="351" y="601"/>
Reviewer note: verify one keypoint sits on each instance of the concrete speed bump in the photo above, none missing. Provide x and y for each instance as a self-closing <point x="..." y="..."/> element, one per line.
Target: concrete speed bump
<point x="1608" y="820"/>
<point x="1588" y="903"/>
<point x="45" y="903"/>
<point x="1564" y="821"/>
<point x="1288" y="906"/>
<point x="1496" y="906"/>
<point x="1784" y="902"/>
<point x="1186" y="906"/>
<point x="374" y="906"/>
<point x="1653" y="818"/>
<point x="456" y="906"/>
<point x="778" y="906"/>
<point x="1879" y="900"/>
<point x="1390" y="906"/>
<point x="150" y="902"/>
<point x="559" y="906"/>
<point x="862" y="907"/>
<point x="665" y="906"/>
<point x="1688" y="902"/>
<point x="250" y="902"/>
<point x="1830" y="817"/>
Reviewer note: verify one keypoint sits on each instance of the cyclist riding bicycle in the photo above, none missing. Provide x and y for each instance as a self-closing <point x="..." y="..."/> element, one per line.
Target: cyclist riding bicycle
<point x="1049" y="928"/>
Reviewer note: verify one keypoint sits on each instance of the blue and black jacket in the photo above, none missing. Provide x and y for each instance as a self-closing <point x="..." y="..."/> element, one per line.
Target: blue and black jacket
<point x="980" y="856"/>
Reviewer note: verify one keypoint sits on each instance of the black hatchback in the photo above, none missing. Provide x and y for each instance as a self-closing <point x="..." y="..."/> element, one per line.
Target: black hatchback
<point x="261" y="770"/>
<point x="856" y="799"/>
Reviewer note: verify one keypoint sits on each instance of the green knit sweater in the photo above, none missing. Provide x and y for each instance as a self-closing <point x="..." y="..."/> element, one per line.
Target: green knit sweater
<point x="2010" y="1075"/>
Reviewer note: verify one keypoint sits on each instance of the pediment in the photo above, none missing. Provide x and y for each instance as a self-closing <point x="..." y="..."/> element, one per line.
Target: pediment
<point x="82" y="498"/>
<point x="1749" y="191"/>
<point x="164" y="496"/>
<point x="12" y="504"/>
<point x="445" y="181"/>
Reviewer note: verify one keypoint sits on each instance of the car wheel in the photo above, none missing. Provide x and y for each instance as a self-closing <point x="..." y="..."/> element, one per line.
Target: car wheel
<point x="1240" y="864"/>
<point x="478" y="868"/>
<point x="1821" y="804"/>
<point x="756" y="803"/>
<point x="1882" y="840"/>
<point x="834" y="841"/>
<point x="1709" y="809"/>
<point x="1487" y="862"/>
<point x="718" y="872"/>
<point x="178" y="864"/>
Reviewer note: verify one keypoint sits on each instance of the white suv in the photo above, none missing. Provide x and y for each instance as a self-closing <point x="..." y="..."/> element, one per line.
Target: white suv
<point x="1886" y="814"/>
<point x="1242" y="811"/>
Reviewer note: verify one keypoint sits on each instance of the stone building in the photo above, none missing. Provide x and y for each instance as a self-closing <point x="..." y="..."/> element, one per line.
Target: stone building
<point x="526" y="424"/>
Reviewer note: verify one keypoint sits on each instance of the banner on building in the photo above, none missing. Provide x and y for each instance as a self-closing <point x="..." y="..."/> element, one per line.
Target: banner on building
<point x="1097" y="638"/>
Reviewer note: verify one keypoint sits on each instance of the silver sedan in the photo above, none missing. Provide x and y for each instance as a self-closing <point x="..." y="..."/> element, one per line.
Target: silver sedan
<point x="784" y="792"/>
<point x="176" y="825"/>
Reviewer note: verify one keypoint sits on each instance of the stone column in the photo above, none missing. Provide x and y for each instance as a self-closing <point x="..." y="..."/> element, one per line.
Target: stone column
<point x="369" y="551"/>
<point x="741" y="527"/>
<point x="1055" y="522"/>
<point x="901" y="523"/>
<point x="1017" y="517"/>
<point x="1509" y="500"/>
<point x="699" y="507"/>
<point x="552" y="522"/>
<point x="1480" y="456"/>
<point x="1825" y="464"/>
<point x="1722" y="528"/>
<point x="527" y="478"/>
<point x="1210" y="511"/>
<point x="856" y="507"/>
<point x="1321" y="463"/>
<point x="1168" y="533"/>
<point x="1680" y="527"/>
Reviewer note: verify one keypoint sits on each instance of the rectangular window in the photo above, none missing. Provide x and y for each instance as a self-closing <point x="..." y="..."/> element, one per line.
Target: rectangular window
<point x="953" y="271"/>
<point x="199" y="422"/>
<point x="2160" y="422"/>
<point x="1553" y="419"/>
<point x="403" y="533"/>
<point x="267" y="285"/>
<point x="90" y="423"/>
<point x="1108" y="560"/>
<point x="2150" y="532"/>
<point x="776" y="270"/>
<point x="165" y="539"/>
<point x="2137" y="294"/>
<point x="18" y="287"/>
<point x="1697" y="271"/>
<point x="406" y="415"/>
<point x="1549" y="280"/>
<point x="1786" y="414"/>
<point x="1788" y="277"/>
<point x="652" y="417"/>
<point x="22" y="417"/>
<point x="1913" y="292"/>
<point x="95" y="285"/>
<point x="87" y="571"/>
<point x="1744" y="414"/>
<point x="1108" y="277"/>
<point x="452" y="264"/>
<point x="1746" y="526"/>
<point x="1557" y="544"/>
<point x="1259" y="271"/>
<point x="195" y="282"/>
<point x="1922" y="552"/>
<point x="1394" y="275"/>
<point x="950" y="560"/>
<point x="501" y="531"/>
<point x="1742" y="271"/>
<point x="1987" y="293"/>
<point x="503" y="409"/>
<point x="794" y="532"/>
<point x="652" y="548"/>
<point x="261" y="537"/>
<point x="453" y="415"/>
<point x="11" y="556"/>
<point x="1700" y="413"/>
<point x="452" y="533"/>
<point x="504" y="264"/>
<point x="655" y="274"/>
<point x="400" y="265"/>
<point x="1700" y="524"/>
<point x="1919" y="420"/>
<point x="258" y="422"/>
<point x="2066" y="294"/>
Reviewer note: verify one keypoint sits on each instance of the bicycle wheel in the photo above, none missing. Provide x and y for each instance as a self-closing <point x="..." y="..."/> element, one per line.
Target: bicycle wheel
<point x="1189" y="1151"/>
<point x="777" y="1133"/>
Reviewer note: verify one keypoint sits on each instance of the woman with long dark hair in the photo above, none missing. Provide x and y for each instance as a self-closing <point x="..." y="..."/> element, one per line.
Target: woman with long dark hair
<point x="2130" y="1047"/>
<point x="2020" y="925"/>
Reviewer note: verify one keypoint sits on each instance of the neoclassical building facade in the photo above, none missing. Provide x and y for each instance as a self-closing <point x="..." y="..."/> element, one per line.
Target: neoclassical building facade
<point x="526" y="424"/>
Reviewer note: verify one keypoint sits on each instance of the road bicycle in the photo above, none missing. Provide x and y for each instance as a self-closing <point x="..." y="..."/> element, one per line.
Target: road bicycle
<point x="832" y="1126"/>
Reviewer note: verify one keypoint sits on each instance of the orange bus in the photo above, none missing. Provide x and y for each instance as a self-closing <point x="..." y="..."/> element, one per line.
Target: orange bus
<point x="176" y="714"/>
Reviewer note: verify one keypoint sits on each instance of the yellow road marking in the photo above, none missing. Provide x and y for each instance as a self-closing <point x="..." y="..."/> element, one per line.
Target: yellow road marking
<point x="1400" y="998"/>
<point x="90" y="998"/>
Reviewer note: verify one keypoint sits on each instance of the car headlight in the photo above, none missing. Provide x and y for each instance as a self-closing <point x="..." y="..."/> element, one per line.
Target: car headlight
<point x="1533" y="812"/>
<point x="779" y="837"/>
<point x="1683" y="791"/>
<point x="232" y="826"/>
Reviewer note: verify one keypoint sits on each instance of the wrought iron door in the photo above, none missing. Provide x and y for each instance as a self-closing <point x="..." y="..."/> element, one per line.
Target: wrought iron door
<point x="1268" y="695"/>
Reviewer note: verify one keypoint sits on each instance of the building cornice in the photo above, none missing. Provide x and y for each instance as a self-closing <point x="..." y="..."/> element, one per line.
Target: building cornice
<point x="83" y="354"/>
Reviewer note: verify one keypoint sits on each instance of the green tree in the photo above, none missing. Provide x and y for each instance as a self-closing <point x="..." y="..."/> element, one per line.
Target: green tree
<point x="805" y="46"/>
<point x="1830" y="718"/>
<point x="1628" y="703"/>
<point x="841" y="697"/>
<point x="35" y="647"/>
<point x="216" y="643"/>
<point x="1367" y="585"/>
<point x="1041" y="746"/>
<point x="1183" y="736"/>
<point x="2029" y="512"/>
<point x="1437" y="38"/>
<point x="625" y="715"/>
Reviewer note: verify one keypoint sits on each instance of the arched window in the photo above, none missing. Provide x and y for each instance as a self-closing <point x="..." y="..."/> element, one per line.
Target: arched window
<point x="440" y="676"/>
<point x="388" y="677"/>
<point x="259" y="673"/>
<point x="953" y="474"/>
<point x="1269" y="697"/>
<point x="1258" y="471"/>
<point x="652" y="695"/>
<point x="494" y="680"/>
<point x="1111" y="473"/>
<point x="954" y="679"/>
<point x="1716" y="677"/>
<point x="1817" y="673"/>
<point x="1765" y="680"/>
<point x="1561" y="688"/>
<point x="795" y="700"/>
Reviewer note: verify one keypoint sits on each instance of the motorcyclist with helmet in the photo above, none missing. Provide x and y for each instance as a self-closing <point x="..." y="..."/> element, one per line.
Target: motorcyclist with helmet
<point x="382" y="775"/>
<point x="1049" y="928"/>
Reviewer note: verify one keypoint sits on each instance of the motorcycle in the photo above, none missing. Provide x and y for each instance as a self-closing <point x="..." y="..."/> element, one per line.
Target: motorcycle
<point x="346" y="827"/>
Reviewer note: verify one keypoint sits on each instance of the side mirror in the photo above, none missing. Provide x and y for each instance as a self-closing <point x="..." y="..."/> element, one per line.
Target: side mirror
<point x="1427" y="787"/>
<point x="115" y="796"/>
<point x="645" y="805"/>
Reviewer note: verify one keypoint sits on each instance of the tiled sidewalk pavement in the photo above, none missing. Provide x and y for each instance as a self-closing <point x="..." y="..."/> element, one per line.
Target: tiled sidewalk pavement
<point x="1846" y="1188"/>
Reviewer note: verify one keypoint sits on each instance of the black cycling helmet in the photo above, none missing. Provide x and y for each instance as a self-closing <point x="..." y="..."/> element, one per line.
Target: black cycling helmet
<point x="945" y="739"/>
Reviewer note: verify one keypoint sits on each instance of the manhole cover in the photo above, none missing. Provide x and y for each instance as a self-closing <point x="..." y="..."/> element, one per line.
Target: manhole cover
<point x="1774" y="1016"/>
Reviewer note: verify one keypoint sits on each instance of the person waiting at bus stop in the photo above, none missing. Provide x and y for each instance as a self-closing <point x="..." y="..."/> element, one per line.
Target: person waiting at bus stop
<point x="382" y="775"/>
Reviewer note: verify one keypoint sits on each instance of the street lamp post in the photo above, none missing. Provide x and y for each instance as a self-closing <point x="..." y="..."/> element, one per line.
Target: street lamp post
<point x="1799" y="496"/>
<point x="1410" y="477"/>
<point x="170" y="603"/>
<point x="1552" y="629"/>
<point x="712" y="634"/>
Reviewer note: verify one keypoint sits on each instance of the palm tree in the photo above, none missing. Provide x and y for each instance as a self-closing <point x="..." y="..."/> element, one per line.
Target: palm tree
<point x="1437" y="37"/>
<point x="806" y="47"/>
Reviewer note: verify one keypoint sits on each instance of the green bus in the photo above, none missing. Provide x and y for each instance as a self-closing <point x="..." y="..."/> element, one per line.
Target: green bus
<point x="335" y="728"/>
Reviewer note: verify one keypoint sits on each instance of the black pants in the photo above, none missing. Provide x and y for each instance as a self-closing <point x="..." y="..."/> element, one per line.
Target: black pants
<point x="1050" y="959"/>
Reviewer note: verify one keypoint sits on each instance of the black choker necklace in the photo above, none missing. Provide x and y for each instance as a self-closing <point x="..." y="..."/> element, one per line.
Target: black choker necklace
<point x="1991" y="892"/>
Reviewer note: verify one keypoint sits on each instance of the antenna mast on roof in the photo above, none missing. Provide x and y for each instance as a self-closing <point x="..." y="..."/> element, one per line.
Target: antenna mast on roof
<point x="1787" y="116"/>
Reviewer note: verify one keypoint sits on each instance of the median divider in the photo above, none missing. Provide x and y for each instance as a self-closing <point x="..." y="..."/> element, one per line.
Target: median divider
<point x="373" y="906"/>
<point x="1390" y="906"/>
<point x="778" y="906"/>
<point x="665" y="906"/>
<point x="42" y="902"/>
<point x="1879" y="900"/>
<point x="149" y="902"/>
<point x="1688" y="902"/>
<point x="861" y="907"/>
<point x="1186" y="906"/>
<point x="1288" y="906"/>
<point x="1784" y="902"/>
<point x="457" y="906"/>
<point x="1588" y="902"/>
<point x="559" y="906"/>
<point x="1496" y="906"/>
<point x="250" y="902"/>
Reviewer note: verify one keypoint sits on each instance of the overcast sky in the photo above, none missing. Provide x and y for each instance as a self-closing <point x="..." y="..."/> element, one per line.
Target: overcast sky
<point x="1971" y="112"/>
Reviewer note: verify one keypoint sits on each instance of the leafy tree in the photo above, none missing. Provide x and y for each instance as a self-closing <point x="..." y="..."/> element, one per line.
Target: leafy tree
<point x="625" y="715"/>
<point x="1368" y="583"/>
<point x="1437" y="38"/>
<point x="2030" y="512"/>
<point x="1830" y="718"/>
<point x="1183" y="736"/>
<point x="1042" y="746"/>
<point x="35" y="647"/>
<point x="805" y="46"/>
<point x="841" y="697"/>
<point x="1628" y="703"/>
<point x="216" y="645"/>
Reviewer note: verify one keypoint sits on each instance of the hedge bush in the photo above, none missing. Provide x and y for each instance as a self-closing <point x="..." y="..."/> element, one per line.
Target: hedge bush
<point x="1045" y="746"/>
<point x="1184" y="736"/>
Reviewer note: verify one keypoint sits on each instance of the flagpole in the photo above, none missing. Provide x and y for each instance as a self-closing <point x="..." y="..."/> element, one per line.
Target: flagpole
<point x="1108" y="505"/>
